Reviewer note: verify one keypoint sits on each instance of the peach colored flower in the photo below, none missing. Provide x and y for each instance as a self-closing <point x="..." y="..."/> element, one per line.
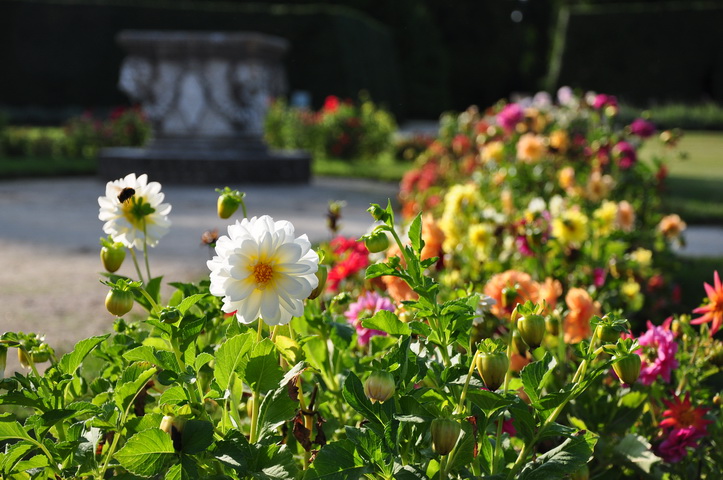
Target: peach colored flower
<point x="559" y="141"/>
<point x="550" y="291"/>
<point x="582" y="308"/>
<point x="510" y="288"/>
<point x="626" y="216"/>
<point x="566" y="178"/>
<point x="671" y="226"/>
<point x="598" y="186"/>
<point x="713" y="310"/>
<point x="530" y="148"/>
<point x="433" y="237"/>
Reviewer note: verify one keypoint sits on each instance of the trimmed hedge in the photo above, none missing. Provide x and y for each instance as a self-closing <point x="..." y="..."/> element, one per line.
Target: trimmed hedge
<point x="65" y="54"/>
<point x="642" y="52"/>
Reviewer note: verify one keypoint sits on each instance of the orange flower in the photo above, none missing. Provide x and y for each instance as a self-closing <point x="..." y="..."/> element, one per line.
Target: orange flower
<point x="671" y="226"/>
<point x="550" y="291"/>
<point x="559" y="141"/>
<point x="713" y="311"/>
<point x="433" y="237"/>
<point x="582" y="308"/>
<point x="566" y="178"/>
<point x="510" y="288"/>
<point x="626" y="216"/>
<point x="530" y="148"/>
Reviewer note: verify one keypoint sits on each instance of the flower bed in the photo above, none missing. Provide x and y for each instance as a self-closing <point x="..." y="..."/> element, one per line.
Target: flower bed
<point x="391" y="356"/>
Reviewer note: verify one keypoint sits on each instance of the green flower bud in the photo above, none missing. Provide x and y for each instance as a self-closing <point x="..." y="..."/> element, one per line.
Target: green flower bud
<point x="518" y="344"/>
<point x="492" y="367"/>
<point x="376" y="242"/>
<point x="170" y="315"/>
<point x="119" y="302"/>
<point x="445" y="433"/>
<point x="532" y="329"/>
<point x="321" y="275"/>
<point x="379" y="387"/>
<point x="627" y="367"/>
<point x="608" y="334"/>
<point x="228" y="202"/>
<point x="552" y="325"/>
<point x="112" y="254"/>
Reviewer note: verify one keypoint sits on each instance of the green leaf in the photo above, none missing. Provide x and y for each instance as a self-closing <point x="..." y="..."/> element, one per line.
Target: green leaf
<point x="337" y="460"/>
<point x="197" y="436"/>
<point x="637" y="450"/>
<point x="415" y="234"/>
<point x="145" y="353"/>
<point x="354" y="395"/>
<point x="276" y="408"/>
<point x="230" y="358"/>
<point x="37" y="461"/>
<point x="262" y="371"/>
<point x="11" y="429"/>
<point x="316" y="353"/>
<point x="188" y="302"/>
<point x="201" y="360"/>
<point x="562" y="460"/>
<point x="387" y="321"/>
<point x="535" y="374"/>
<point x="380" y="269"/>
<point x="146" y="453"/>
<point x="175" y="395"/>
<point x="133" y="379"/>
<point x="14" y="454"/>
<point x="70" y="362"/>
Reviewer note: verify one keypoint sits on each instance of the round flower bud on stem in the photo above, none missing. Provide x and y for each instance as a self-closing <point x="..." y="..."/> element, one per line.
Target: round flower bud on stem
<point x="532" y="329"/>
<point x="119" y="302"/>
<point x="228" y="202"/>
<point x="492" y="367"/>
<point x="112" y="254"/>
<point x="379" y="387"/>
<point x="627" y="367"/>
<point x="376" y="242"/>
<point x="321" y="275"/>
<point x="445" y="433"/>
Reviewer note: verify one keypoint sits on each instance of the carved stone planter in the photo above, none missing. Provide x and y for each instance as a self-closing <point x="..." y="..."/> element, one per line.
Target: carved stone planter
<point x="206" y="95"/>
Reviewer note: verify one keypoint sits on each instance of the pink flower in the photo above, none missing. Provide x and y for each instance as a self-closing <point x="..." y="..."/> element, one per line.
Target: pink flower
<point x="365" y="307"/>
<point x="658" y="353"/>
<point x="642" y="128"/>
<point x="510" y="116"/>
<point x="598" y="276"/>
<point x="523" y="246"/>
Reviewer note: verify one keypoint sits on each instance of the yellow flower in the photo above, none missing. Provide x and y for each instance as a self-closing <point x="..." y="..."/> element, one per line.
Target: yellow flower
<point x="460" y="197"/>
<point x="559" y="141"/>
<point x="493" y="151"/>
<point x="570" y="227"/>
<point x="452" y="233"/>
<point x="566" y="178"/>
<point x="480" y="238"/>
<point x="642" y="256"/>
<point x="606" y="216"/>
<point x="530" y="148"/>
<point x="630" y="289"/>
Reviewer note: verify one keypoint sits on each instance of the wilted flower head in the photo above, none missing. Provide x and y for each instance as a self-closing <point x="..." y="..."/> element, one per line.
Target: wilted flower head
<point x="713" y="310"/>
<point x="366" y="306"/>
<point x="262" y="270"/>
<point x="133" y="212"/>
<point x="657" y="354"/>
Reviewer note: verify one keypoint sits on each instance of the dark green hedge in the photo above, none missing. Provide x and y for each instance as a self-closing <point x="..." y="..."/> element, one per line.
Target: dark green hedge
<point x="60" y="54"/>
<point x="643" y="53"/>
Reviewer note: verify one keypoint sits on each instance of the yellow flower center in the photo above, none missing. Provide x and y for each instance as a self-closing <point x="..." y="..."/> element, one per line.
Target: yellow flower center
<point x="263" y="273"/>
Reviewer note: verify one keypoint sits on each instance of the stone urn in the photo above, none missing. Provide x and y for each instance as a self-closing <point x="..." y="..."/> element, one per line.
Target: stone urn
<point x="206" y="95"/>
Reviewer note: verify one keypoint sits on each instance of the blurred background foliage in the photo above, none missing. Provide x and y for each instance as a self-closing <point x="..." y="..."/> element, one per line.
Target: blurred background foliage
<point x="415" y="57"/>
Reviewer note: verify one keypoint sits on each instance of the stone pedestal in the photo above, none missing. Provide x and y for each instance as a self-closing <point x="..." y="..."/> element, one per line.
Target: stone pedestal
<point x="206" y="96"/>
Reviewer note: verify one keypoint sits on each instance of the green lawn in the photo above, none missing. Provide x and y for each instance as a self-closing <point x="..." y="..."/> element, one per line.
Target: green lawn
<point x="694" y="187"/>
<point x="384" y="167"/>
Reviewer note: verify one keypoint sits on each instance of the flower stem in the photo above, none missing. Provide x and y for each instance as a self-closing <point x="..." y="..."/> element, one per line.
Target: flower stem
<point x="460" y="406"/>
<point x="254" y="417"/>
<point x="259" y="331"/>
<point x="135" y="262"/>
<point x="145" y="250"/>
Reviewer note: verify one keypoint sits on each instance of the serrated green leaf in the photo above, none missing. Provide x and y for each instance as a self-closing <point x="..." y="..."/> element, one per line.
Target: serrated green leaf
<point x="14" y="454"/>
<point x="276" y="408"/>
<point x="380" y="269"/>
<point x="11" y="429"/>
<point x="337" y="461"/>
<point x="197" y="436"/>
<point x="188" y="302"/>
<point x="262" y="371"/>
<point x="175" y="395"/>
<point x="387" y="321"/>
<point x="201" y="360"/>
<point x="146" y="453"/>
<point x="562" y="460"/>
<point x="132" y="380"/>
<point x="70" y="362"/>
<point x="231" y="357"/>
<point x="535" y="375"/>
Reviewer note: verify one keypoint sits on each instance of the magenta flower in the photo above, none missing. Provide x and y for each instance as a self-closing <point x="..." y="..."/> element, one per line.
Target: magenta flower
<point x="598" y="277"/>
<point x="658" y="353"/>
<point x="602" y="100"/>
<point x="510" y="116"/>
<point x="642" y="128"/>
<point x="626" y="155"/>
<point x="523" y="246"/>
<point x="674" y="448"/>
<point x="365" y="307"/>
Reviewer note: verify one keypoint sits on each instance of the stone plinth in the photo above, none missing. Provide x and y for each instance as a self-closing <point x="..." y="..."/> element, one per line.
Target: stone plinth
<point x="206" y="96"/>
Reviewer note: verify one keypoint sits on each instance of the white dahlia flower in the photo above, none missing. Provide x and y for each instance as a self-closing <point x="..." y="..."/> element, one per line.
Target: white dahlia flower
<point x="261" y="270"/>
<point x="133" y="212"/>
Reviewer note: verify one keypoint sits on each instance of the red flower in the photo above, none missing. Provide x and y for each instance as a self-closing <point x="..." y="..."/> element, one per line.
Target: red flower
<point x="681" y="414"/>
<point x="331" y="104"/>
<point x="713" y="311"/>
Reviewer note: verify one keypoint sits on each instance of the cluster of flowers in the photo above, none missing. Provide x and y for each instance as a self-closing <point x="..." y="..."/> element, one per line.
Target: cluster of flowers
<point x="555" y="190"/>
<point x="339" y="129"/>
